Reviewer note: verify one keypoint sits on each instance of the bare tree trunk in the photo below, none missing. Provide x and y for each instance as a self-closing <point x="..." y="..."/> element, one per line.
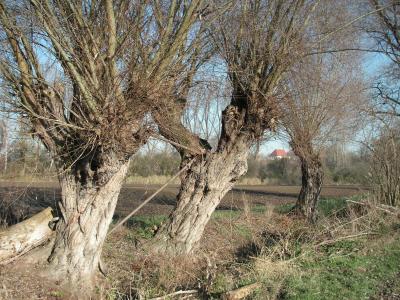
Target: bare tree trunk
<point x="202" y="188"/>
<point x="86" y="208"/>
<point x="210" y="177"/>
<point x="312" y="178"/>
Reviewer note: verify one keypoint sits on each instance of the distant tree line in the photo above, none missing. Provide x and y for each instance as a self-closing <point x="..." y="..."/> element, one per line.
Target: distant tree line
<point x="27" y="159"/>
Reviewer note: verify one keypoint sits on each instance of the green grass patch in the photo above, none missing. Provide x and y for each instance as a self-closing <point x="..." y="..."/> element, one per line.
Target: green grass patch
<point x="343" y="271"/>
<point x="328" y="206"/>
<point x="224" y="282"/>
<point x="220" y="284"/>
<point x="56" y="294"/>
<point x="283" y="208"/>
<point x="243" y="230"/>
<point x="144" y="226"/>
<point x="259" y="209"/>
<point x="225" y="214"/>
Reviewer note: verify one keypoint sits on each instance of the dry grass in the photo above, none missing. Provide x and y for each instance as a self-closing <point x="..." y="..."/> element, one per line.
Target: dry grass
<point x="240" y="247"/>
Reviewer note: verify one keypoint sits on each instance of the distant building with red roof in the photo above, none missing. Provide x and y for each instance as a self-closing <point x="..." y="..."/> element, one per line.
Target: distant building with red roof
<point x="278" y="154"/>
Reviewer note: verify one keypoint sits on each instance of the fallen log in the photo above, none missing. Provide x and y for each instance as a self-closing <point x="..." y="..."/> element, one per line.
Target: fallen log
<point x="242" y="292"/>
<point x="18" y="239"/>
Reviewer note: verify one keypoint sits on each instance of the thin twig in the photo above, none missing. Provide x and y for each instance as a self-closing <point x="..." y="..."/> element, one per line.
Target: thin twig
<point x="176" y="294"/>
<point x="345" y="238"/>
<point x="376" y="206"/>
<point x="161" y="138"/>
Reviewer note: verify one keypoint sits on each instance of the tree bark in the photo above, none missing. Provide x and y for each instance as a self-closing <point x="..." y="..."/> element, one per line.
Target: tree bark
<point x="202" y="188"/>
<point x="212" y="175"/>
<point x="86" y="210"/>
<point x="311" y="184"/>
<point x="22" y="237"/>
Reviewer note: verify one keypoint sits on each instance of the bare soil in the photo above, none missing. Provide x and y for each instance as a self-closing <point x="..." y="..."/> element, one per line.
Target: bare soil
<point x="26" y="198"/>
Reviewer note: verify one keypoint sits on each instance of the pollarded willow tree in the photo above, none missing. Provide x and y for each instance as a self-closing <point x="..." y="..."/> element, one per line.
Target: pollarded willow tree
<point x="322" y="105"/>
<point x="257" y="42"/>
<point x="85" y="73"/>
<point x="324" y="96"/>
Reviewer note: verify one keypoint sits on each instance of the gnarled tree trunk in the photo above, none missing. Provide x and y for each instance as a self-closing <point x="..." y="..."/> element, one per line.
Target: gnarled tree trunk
<point x="202" y="188"/>
<point x="213" y="173"/>
<point x="311" y="184"/>
<point x="89" y="197"/>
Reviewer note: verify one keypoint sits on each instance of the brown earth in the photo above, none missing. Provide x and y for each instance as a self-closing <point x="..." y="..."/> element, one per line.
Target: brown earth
<point x="26" y="199"/>
<point x="226" y="244"/>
